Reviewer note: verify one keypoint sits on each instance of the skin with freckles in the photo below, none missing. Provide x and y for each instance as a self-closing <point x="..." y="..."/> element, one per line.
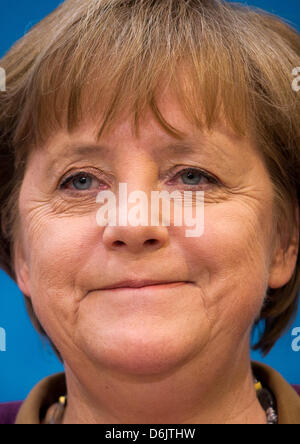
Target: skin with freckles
<point x="171" y="354"/>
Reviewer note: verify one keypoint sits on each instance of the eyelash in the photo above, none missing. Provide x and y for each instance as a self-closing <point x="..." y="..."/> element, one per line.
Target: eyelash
<point x="170" y="176"/>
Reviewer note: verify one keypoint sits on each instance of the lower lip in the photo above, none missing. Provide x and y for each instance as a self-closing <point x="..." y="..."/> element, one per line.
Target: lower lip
<point x="147" y="288"/>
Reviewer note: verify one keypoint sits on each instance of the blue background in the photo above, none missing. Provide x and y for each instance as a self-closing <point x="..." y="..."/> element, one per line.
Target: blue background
<point x="28" y="358"/>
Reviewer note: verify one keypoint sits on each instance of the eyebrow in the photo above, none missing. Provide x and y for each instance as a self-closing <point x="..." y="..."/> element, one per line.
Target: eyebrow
<point x="178" y="148"/>
<point x="71" y="151"/>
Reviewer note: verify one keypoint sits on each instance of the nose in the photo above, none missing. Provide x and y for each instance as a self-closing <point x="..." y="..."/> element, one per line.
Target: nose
<point x="135" y="188"/>
<point x="136" y="240"/>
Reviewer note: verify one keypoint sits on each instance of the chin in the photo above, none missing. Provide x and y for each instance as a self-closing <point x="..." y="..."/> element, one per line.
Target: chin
<point x="146" y="355"/>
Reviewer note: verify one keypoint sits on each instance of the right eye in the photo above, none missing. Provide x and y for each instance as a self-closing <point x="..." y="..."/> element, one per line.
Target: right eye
<point x="80" y="182"/>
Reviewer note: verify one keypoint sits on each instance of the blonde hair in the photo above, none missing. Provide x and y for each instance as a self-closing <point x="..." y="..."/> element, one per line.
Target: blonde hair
<point x="222" y="60"/>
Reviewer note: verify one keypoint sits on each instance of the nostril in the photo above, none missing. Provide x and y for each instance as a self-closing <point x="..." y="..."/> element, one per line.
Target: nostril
<point x="118" y="243"/>
<point x="135" y="244"/>
<point x="151" y="241"/>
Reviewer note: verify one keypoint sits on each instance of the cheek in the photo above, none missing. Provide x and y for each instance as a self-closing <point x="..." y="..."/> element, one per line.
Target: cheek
<point x="62" y="264"/>
<point x="230" y="263"/>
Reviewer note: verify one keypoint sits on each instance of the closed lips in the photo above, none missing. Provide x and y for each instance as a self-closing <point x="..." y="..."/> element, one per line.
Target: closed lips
<point x="139" y="284"/>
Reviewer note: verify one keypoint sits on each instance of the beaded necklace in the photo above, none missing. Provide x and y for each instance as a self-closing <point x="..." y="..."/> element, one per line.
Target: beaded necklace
<point x="267" y="401"/>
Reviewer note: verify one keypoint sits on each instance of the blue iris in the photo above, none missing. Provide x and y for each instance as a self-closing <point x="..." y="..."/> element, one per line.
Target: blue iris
<point x="82" y="182"/>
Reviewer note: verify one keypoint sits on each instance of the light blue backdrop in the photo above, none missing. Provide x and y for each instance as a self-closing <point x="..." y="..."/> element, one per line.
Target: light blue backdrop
<point x="27" y="358"/>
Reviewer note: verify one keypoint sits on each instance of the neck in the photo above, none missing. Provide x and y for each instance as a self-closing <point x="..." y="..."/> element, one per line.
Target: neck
<point x="214" y="391"/>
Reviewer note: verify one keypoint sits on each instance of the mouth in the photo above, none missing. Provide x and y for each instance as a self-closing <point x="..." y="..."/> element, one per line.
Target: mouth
<point x="144" y="283"/>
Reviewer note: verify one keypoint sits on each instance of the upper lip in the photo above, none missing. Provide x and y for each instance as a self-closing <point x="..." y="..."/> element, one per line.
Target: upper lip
<point x="136" y="283"/>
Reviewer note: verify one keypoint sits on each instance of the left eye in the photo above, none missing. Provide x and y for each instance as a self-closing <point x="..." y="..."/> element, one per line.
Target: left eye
<point x="192" y="176"/>
<point x="79" y="182"/>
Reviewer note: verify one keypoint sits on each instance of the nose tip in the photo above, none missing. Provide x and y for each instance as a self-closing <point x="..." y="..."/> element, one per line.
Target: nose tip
<point x="135" y="239"/>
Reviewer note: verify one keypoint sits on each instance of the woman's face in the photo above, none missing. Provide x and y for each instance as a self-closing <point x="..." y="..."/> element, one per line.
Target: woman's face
<point x="67" y="259"/>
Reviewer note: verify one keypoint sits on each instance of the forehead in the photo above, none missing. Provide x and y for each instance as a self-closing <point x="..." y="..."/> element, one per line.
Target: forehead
<point x="186" y="138"/>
